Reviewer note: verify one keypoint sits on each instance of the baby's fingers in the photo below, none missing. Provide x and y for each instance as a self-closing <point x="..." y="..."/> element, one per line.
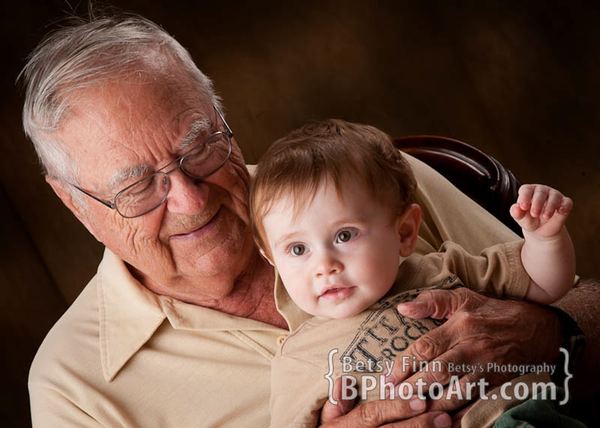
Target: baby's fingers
<point x="554" y="201"/>
<point x="538" y="200"/>
<point x="558" y="203"/>
<point x="517" y="212"/>
<point x="523" y="218"/>
<point x="559" y="217"/>
<point x="566" y="206"/>
<point x="525" y="195"/>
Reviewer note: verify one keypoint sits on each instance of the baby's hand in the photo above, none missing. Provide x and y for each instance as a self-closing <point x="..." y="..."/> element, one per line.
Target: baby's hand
<point x="541" y="210"/>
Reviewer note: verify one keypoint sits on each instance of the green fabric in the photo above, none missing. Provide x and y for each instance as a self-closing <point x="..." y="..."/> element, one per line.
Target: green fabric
<point x="536" y="414"/>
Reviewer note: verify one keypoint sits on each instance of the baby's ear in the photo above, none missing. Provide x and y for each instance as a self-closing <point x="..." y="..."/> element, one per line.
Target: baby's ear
<point x="262" y="253"/>
<point x="407" y="227"/>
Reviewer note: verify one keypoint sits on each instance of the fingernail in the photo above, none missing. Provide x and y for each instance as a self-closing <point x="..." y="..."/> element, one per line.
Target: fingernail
<point x="417" y="404"/>
<point x="442" y="421"/>
<point x="407" y="307"/>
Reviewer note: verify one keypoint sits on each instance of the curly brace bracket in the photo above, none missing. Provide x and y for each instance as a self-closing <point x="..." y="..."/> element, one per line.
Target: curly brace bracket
<point x="567" y="377"/>
<point x="329" y="376"/>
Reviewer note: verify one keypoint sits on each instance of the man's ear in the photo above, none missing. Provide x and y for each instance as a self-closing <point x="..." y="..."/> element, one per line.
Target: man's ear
<point x="65" y="195"/>
<point x="407" y="227"/>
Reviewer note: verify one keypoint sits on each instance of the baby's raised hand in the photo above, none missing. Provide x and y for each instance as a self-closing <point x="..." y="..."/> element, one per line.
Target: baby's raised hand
<point x="541" y="210"/>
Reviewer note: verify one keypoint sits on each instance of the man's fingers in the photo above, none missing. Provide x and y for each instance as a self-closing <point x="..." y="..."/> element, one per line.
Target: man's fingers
<point x="438" y="304"/>
<point x="437" y="342"/>
<point x="441" y="371"/>
<point x="425" y="349"/>
<point x="457" y="417"/>
<point x="427" y="420"/>
<point x="331" y="411"/>
<point x="459" y="392"/>
<point x="421" y="307"/>
<point x="379" y="412"/>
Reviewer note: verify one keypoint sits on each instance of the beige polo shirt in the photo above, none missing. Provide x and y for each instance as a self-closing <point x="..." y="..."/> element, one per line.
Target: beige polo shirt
<point x="124" y="356"/>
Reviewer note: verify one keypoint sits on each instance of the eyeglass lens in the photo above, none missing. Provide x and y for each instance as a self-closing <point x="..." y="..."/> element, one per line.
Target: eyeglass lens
<point x="199" y="163"/>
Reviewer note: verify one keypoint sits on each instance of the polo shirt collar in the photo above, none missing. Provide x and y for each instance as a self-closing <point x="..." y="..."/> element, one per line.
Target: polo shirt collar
<point x="129" y="314"/>
<point x="187" y="316"/>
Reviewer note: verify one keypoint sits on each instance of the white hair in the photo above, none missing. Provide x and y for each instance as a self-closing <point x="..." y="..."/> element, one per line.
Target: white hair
<point x="85" y="54"/>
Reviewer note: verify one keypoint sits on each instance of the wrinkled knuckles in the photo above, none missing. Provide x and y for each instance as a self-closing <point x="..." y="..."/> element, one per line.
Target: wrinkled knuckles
<point x="370" y="414"/>
<point x="440" y="376"/>
<point x="426" y="295"/>
<point x="463" y="297"/>
<point x="425" y="349"/>
<point x="469" y="322"/>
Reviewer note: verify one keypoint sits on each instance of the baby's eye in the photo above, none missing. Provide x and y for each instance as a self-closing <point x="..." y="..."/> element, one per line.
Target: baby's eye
<point x="345" y="235"/>
<point x="297" y="249"/>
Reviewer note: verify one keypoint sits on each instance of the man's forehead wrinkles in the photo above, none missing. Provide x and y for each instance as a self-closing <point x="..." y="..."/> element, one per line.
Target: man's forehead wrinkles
<point x="198" y="127"/>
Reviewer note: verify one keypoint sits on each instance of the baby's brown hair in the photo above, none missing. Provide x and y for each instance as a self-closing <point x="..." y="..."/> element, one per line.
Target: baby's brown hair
<point x="297" y="164"/>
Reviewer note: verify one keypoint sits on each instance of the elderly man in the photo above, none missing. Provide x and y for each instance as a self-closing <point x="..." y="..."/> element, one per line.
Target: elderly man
<point x="180" y="323"/>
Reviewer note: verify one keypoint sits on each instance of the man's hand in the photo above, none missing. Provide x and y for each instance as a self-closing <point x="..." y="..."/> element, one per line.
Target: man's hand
<point x="540" y="210"/>
<point x="389" y="413"/>
<point x="479" y="330"/>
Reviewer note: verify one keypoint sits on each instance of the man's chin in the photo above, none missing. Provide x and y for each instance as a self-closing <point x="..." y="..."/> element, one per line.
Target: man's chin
<point x="226" y="257"/>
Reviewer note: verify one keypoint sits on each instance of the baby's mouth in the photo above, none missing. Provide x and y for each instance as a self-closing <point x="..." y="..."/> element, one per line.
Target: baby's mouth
<point x="337" y="292"/>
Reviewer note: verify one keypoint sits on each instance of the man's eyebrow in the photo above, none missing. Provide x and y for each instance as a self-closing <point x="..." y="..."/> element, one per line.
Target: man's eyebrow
<point x="198" y="127"/>
<point x="125" y="174"/>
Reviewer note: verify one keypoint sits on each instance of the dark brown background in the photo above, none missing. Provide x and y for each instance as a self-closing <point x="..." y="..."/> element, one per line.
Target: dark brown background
<point x="517" y="79"/>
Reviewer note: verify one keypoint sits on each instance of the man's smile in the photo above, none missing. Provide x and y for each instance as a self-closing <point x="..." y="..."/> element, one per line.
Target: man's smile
<point x="200" y="230"/>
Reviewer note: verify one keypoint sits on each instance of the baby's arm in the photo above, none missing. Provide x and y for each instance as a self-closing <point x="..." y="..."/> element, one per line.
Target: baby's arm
<point x="547" y="255"/>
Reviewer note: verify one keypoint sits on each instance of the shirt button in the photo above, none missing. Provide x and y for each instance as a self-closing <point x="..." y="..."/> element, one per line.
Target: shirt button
<point x="281" y="339"/>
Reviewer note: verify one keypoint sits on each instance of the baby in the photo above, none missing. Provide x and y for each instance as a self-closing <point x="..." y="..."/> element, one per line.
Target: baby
<point x="334" y="210"/>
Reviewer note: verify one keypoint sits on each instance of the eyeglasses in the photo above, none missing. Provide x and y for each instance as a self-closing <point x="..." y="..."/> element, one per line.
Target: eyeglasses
<point x="149" y="193"/>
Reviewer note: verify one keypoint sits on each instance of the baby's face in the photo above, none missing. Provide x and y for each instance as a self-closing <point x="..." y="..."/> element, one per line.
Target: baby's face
<point x="337" y="256"/>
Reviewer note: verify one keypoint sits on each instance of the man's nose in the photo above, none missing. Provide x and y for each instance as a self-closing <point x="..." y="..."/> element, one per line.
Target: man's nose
<point x="328" y="264"/>
<point x="186" y="195"/>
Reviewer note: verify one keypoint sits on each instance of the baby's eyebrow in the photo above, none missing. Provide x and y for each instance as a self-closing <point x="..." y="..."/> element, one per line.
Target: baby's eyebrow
<point x="350" y="221"/>
<point x="284" y="238"/>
